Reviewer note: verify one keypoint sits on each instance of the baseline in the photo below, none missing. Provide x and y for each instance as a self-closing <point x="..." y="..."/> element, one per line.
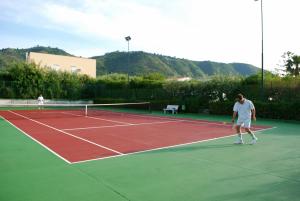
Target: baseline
<point x="168" y="147"/>
<point x="35" y="140"/>
<point x="66" y="133"/>
<point x="112" y="126"/>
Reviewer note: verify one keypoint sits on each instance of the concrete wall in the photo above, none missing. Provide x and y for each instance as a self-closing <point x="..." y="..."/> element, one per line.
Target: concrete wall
<point x="64" y="63"/>
<point x="46" y="101"/>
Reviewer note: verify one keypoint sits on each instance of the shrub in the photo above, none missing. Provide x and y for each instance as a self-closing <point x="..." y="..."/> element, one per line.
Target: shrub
<point x="217" y="94"/>
<point x="275" y="110"/>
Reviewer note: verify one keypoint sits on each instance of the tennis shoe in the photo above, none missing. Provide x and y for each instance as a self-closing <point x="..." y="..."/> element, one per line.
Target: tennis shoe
<point x="239" y="141"/>
<point x="254" y="141"/>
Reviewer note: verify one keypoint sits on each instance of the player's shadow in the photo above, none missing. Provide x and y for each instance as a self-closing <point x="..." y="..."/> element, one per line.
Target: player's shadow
<point x="186" y="148"/>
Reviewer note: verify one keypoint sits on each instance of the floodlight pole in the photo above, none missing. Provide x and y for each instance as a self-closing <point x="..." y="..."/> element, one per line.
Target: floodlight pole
<point x="128" y="38"/>
<point x="262" y="48"/>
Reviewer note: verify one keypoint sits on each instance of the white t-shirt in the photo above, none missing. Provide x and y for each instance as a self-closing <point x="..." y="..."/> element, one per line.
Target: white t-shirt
<point x="243" y="110"/>
<point x="40" y="100"/>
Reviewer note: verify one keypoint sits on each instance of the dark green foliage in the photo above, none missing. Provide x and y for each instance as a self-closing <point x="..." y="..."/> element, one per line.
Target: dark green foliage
<point x="215" y="94"/>
<point x="291" y="63"/>
<point x="269" y="109"/>
<point x="279" y="110"/>
<point x="23" y="80"/>
<point x="10" y="55"/>
<point x="277" y="88"/>
<point x="48" y="50"/>
<point x="141" y="63"/>
<point x="27" y="80"/>
<point x="214" y="68"/>
<point x="221" y="108"/>
<point x="244" y="69"/>
<point x="52" y="85"/>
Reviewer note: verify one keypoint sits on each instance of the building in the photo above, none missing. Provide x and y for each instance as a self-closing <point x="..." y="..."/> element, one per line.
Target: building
<point x="64" y="63"/>
<point x="182" y="79"/>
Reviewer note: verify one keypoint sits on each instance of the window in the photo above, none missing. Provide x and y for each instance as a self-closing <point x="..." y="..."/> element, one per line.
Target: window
<point x="55" y="67"/>
<point x="75" y="69"/>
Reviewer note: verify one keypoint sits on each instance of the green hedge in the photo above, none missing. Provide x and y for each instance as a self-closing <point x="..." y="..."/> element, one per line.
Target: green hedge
<point x="215" y="95"/>
<point x="221" y="108"/>
<point x="279" y="110"/>
<point x="274" y="110"/>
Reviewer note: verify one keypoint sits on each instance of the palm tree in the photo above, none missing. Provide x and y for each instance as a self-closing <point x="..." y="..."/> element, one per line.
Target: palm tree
<point x="291" y="63"/>
<point x="296" y="62"/>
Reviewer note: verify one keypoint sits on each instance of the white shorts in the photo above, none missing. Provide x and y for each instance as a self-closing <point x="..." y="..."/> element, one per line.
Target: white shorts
<point x="40" y="103"/>
<point x="246" y="123"/>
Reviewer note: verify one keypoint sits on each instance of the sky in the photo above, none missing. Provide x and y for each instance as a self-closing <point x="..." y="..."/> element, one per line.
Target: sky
<point x="216" y="30"/>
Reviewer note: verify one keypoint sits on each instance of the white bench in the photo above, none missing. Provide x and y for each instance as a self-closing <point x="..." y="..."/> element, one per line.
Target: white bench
<point x="172" y="108"/>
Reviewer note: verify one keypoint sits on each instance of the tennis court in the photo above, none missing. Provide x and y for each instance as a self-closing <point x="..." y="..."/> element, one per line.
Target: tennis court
<point x="77" y="137"/>
<point x="74" y="154"/>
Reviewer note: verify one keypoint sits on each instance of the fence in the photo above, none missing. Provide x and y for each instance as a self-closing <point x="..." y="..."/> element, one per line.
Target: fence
<point x="47" y="101"/>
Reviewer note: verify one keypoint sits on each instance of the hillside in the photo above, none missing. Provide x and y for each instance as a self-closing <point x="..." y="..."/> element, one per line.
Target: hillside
<point x="141" y="63"/>
<point x="9" y="55"/>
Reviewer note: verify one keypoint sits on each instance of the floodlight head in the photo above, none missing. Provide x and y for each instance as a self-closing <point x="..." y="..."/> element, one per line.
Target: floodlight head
<point x="128" y="38"/>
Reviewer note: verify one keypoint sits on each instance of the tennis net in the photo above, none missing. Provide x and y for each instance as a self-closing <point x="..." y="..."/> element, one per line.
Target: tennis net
<point x="36" y="111"/>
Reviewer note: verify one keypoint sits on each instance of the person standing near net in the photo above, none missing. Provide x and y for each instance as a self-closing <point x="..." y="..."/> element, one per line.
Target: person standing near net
<point x="40" y="101"/>
<point x="245" y="110"/>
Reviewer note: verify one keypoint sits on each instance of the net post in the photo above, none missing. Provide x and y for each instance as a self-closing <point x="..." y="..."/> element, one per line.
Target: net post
<point x="149" y="108"/>
<point x="85" y="110"/>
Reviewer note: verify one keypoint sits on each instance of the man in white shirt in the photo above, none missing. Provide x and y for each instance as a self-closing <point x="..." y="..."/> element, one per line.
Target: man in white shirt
<point x="40" y="100"/>
<point x="246" y="111"/>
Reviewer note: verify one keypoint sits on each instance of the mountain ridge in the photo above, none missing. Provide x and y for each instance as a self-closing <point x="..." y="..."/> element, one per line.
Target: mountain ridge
<point x="141" y="63"/>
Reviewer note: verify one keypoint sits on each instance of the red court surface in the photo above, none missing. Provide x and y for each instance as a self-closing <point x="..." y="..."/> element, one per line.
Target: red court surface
<point x="77" y="138"/>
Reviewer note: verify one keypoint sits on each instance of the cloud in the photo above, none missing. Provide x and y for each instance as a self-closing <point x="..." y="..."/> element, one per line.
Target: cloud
<point x="151" y="22"/>
<point x="108" y="19"/>
<point x="195" y="29"/>
<point x="188" y="28"/>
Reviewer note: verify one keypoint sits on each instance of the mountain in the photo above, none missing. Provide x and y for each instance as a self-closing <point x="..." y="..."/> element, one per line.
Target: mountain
<point x="9" y="55"/>
<point x="140" y="63"/>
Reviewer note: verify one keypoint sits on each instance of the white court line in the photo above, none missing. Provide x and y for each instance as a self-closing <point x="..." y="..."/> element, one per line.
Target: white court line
<point x="78" y="115"/>
<point x="167" y="147"/>
<point x="56" y="154"/>
<point x="98" y="145"/>
<point x="228" y="124"/>
<point x="179" y="119"/>
<point x="132" y="124"/>
<point x="41" y="112"/>
<point x="112" y="126"/>
<point x="154" y="117"/>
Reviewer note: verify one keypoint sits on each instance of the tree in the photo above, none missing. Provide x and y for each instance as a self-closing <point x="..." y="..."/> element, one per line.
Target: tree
<point x="296" y="62"/>
<point x="291" y="63"/>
